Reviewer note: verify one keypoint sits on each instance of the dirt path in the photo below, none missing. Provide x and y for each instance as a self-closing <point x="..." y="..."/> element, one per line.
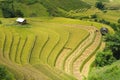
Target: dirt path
<point x="61" y="57"/>
<point x="65" y="52"/>
<point x="76" y="68"/>
<point x="78" y="51"/>
<point x="84" y="50"/>
<point x="86" y="68"/>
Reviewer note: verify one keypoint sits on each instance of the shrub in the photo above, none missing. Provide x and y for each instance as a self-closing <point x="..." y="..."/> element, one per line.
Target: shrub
<point x="113" y="43"/>
<point x="7" y="9"/>
<point x="114" y="26"/>
<point x="100" y="5"/>
<point x="96" y="20"/>
<point x="118" y="20"/>
<point x="29" y="2"/>
<point x="0" y="22"/>
<point x="104" y="21"/>
<point x="104" y="58"/>
<point x="18" y="13"/>
<point x="5" y="74"/>
<point x="85" y="17"/>
<point x="94" y="16"/>
<point x="105" y="11"/>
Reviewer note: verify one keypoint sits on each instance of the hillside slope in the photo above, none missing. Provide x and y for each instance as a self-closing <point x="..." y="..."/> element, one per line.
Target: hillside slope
<point x="43" y="49"/>
<point x="110" y="72"/>
<point x="35" y="8"/>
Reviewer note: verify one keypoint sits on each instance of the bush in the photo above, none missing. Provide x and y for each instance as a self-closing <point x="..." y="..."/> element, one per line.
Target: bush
<point x="18" y="13"/>
<point x="96" y="20"/>
<point x="113" y="43"/>
<point x="111" y="72"/>
<point x="0" y="22"/>
<point x="114" y="26"/>
<point x="84" y="17"/>
<point x="93" y="16"/>
<point x="104" y="58"/>
<point x="100" y="5"/>
<point x="118" y="20"/>
<point x="104" y="21"/>
<point x="29" y="2"/>
<point x="7" y="9"/>
<point x="5" y="74"/>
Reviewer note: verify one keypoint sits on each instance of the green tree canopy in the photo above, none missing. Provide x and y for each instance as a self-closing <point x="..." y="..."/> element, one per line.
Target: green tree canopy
<point x="5" y="74"/>
<point x="118" y="20"/>
<point x="8" y="10"/>
<point x="104" y="58"/>
<point x="113" y="43"/>
<point x="100" y="5"/>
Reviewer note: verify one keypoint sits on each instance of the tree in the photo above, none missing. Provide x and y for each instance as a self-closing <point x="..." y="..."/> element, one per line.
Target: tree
<point x="18" y="13"/>
<point x="111" y="52"/>
<point x="118" y="20"/>
<point x="100" y="5"/>
<point x="113" y="43"/>
<point x="104" y="58"/>
<point x="8" y="9"/>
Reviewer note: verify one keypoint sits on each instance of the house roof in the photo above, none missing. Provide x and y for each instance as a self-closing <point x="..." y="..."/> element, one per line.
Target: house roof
<point x="20" y="19"/>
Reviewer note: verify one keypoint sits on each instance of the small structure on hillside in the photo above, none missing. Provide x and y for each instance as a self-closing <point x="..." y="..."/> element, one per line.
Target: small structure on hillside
<point x="21" y="21"/>
<point x="104" y="30"/>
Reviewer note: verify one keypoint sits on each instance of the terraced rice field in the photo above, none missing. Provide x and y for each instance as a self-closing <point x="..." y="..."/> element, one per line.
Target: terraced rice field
<point x="45" y="50"/>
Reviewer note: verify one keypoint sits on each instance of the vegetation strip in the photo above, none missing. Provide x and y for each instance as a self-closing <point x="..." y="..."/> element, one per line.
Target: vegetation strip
<point x="11" y="45"/>
<point x="23" y="49"/>
<point x="4" y="44"/>
<point x="31" y="52"/>
<point x="18" y="44"/>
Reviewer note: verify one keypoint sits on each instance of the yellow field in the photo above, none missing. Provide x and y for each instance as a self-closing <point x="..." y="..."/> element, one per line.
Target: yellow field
<point x="49" y="48"/>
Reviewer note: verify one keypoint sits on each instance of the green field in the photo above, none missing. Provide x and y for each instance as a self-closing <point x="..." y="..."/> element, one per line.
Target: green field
<point x="61" y="39"/>
<point x="41" y="49"/>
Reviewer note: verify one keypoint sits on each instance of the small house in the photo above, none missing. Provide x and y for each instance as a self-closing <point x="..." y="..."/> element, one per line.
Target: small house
<point x="104" y="30"/>
<point x="21" y="21"/>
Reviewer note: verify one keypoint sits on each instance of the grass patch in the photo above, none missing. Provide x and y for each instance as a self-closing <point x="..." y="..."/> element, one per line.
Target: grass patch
<point x="110" y="72"/>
